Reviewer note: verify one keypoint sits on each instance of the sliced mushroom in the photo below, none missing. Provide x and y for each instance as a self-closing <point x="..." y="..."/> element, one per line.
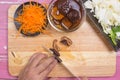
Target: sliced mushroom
<point x="56" y="53"/>
<point x="55" y="46"/>
<point x="66" y="23"/>
<point x="58" y="59"/>
<point x="55" y="14"/>
<point x="66" y="41"/>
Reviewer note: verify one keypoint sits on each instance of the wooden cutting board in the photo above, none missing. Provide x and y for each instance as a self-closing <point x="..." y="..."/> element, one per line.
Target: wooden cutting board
<point x="90" y="52"/>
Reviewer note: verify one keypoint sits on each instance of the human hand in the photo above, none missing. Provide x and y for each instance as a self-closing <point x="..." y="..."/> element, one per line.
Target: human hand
<point x="38" y="67"/>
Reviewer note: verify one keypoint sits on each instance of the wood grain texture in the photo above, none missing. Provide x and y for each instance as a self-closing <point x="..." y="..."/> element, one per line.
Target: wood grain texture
<point x="90" y="55"/>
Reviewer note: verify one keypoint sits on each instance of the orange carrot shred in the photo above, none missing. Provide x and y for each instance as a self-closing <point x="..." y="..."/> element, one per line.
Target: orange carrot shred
<point x="32" y="19"/>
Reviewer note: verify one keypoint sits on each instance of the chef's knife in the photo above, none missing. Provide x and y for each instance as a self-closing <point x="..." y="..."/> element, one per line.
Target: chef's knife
<point x="62" y="63"/>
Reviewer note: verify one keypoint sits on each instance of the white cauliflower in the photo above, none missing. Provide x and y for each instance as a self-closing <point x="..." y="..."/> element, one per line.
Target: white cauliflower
<point x="106" y="11"/>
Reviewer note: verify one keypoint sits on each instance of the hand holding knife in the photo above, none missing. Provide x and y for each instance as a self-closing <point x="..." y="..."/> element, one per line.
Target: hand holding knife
<point x="52" y="53"/>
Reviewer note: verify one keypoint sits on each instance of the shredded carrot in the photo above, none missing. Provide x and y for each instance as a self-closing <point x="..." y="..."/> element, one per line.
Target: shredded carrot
<point x="32" y="19"/>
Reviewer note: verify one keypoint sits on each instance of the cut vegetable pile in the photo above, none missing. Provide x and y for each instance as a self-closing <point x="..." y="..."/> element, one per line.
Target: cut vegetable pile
<point x="108" y="14"/>
<point x="32" y="19"/>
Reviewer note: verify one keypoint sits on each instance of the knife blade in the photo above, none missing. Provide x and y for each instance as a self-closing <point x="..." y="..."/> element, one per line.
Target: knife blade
<point x="60" y="62"/>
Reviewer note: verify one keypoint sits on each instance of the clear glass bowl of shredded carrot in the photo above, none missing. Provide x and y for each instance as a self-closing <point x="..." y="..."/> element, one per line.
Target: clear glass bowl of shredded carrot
<point x="30" y="18"/>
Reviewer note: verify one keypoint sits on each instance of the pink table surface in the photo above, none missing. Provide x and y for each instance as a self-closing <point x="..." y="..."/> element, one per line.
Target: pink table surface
<point x="4" y="74"/>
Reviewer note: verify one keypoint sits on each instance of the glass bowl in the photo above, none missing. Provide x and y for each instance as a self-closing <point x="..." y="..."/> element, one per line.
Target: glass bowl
<point x="64" y="29"/>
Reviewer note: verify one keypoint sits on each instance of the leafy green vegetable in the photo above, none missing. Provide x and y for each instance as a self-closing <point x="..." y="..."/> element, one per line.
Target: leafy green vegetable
<point x="113" y="37"/>
<point x="113" y="33"/>
<point x="116" y="29"/>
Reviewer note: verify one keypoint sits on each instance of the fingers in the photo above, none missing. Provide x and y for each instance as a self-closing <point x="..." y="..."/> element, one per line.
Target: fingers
<point x="37" y="59"/>
<point x="48" y="69"/>
<point x="33" y="56"/>
<point x="38" y="67"/>
<point x="43" y="66"/>
<point x="27" y="67"/>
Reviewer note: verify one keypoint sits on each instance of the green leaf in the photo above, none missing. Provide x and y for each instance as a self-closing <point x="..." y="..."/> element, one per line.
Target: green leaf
<point x="113" y="32"/>
<point x="113" y="37"/>
<point x="116" y="29"/>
